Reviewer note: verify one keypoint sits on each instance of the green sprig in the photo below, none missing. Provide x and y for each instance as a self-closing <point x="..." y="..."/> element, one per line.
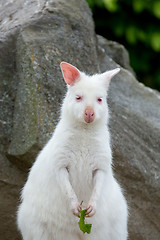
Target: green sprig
<point x="84" y="227"/>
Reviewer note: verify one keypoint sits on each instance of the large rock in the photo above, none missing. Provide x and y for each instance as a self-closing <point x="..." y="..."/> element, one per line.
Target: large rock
<point x="135" y="129"/>
<point x="35" y="36"/>
<point x="46" y="34"/>
<point x="116" y="52"/>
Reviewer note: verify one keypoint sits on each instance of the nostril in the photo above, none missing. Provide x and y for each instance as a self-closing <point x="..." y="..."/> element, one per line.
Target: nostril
<point x="88" y="113"/>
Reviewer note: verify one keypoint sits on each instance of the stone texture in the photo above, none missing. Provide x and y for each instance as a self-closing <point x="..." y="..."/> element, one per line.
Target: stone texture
<point x="135" y="129"/>
<point x="35" y="36"/>
<point x="51" y="32"/>
<point x="116" y="52"/>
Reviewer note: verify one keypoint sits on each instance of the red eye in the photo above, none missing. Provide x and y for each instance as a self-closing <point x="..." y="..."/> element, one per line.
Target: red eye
<point x="78" y="98"/>
<point x="99" y="100"/>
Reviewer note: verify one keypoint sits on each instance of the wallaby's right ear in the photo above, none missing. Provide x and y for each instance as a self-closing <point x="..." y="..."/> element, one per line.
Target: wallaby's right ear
<point x="70" y="73"/>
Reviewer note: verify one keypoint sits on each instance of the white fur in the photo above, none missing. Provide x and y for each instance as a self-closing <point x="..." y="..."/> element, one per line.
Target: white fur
<point x="75" y="166"/>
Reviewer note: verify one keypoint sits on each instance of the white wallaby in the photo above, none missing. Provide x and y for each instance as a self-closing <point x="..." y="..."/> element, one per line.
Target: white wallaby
<point x="74" y="166"/>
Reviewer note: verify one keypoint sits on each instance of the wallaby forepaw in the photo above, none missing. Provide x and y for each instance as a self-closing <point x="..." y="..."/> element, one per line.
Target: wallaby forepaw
<point x="76" y="208"/>
<point x="91" y="210"/>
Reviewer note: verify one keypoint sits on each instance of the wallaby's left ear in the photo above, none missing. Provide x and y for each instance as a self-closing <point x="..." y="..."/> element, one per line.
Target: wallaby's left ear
<point x="70" y="73"/>
<point x="108" y="75"/>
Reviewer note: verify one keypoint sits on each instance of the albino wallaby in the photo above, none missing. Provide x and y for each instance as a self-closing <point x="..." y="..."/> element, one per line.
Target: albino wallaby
<point x="74" y="166"/>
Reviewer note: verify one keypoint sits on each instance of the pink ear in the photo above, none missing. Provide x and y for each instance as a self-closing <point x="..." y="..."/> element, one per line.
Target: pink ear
<point x="70" y="73"/>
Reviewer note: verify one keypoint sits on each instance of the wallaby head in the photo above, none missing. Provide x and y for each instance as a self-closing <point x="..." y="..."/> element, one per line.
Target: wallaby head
<point x="86" y="97"/>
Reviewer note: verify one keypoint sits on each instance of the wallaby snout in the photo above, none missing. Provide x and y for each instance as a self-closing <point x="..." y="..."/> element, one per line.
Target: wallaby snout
<point x="89" y="115"/>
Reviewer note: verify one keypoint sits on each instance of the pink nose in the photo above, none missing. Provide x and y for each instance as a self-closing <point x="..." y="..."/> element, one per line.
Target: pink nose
<point x="89" y="114"/>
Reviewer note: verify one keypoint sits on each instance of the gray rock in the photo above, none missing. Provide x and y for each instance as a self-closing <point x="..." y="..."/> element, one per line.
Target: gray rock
<point x="135" y="129"/>
<point x="35" y="36"/>
<point x="56" y="34"/>
<point x="115" y="51"/>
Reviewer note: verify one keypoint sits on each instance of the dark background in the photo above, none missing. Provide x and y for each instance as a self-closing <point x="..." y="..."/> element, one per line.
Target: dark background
<point x="136" y="25"/>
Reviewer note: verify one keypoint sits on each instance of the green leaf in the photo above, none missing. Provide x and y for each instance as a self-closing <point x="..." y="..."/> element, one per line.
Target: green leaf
<point x="131" y="34"/>
<point x="156" y="9"/>
<point x="111" y="5"/>
<point x="84" y="227"/>
<point x="138" y="5"/>
<point x="155" y="41"/>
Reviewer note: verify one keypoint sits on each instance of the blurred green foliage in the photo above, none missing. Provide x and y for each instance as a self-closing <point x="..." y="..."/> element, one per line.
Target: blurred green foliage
<point x="136" y="25"/>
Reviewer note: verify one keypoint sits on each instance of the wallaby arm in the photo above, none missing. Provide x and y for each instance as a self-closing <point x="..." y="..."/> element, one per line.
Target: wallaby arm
<point x="98" y="179"/>
<point x="67" y="189"/>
